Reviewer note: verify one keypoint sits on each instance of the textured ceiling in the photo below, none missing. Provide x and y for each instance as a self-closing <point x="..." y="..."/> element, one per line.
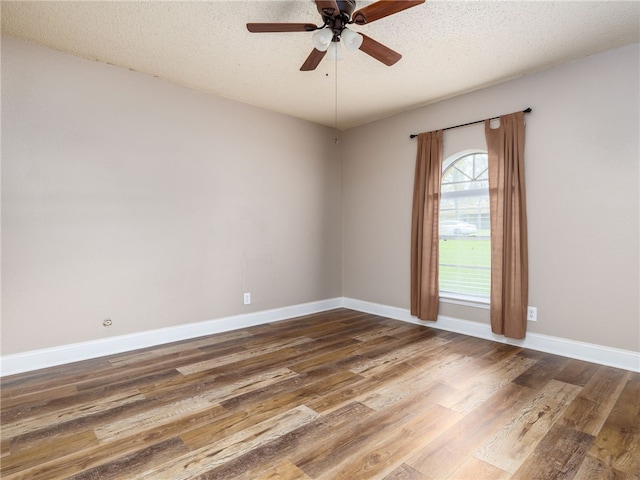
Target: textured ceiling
<point x="448" y="47"/>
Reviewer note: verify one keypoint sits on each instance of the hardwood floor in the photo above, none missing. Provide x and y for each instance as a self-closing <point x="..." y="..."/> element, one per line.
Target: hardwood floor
<point x="337" y="395"/>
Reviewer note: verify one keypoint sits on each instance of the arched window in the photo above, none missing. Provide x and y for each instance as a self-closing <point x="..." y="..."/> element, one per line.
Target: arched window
<point x="465" y="241"/>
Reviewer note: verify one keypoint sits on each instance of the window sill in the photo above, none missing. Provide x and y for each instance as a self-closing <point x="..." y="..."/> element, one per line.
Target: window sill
<point x="465" y="300"/>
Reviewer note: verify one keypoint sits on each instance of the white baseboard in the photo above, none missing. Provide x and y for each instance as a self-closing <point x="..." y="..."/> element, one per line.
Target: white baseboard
<point x="613" y="357"/>
<point x="49" y="357"/>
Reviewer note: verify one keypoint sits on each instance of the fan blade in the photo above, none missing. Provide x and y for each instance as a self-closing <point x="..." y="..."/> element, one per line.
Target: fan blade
<point x="381" y="9"/>
<point x="328" y="7"/>
<point x="312" y="60"/>
<point x="379" y="51"/>
<point x="280" y="27"/>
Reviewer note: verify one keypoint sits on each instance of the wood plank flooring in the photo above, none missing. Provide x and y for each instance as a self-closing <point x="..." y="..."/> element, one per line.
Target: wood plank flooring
<point x="337" y="395"/>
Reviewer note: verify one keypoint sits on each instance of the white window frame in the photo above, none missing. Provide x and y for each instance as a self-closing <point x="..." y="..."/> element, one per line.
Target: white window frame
<point x="461" y="298"/>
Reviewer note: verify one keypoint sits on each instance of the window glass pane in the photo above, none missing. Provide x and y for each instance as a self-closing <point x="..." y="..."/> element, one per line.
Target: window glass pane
<point x="467" y="173"/>
<point x="465" y="242"/>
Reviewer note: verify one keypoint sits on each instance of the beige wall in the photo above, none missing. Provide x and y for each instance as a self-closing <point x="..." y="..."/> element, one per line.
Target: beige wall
<point x="156" y="205"/>
<point x="582" y="159"/>
<point x="127" y="197"/>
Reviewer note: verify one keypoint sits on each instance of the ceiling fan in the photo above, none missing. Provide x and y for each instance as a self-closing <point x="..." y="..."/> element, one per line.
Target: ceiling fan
<point x="336" y="15"/>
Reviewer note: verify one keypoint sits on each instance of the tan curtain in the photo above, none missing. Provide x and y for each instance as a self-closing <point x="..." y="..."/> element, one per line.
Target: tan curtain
<point x="424" y="227"/>
<point x="509" y="262"/>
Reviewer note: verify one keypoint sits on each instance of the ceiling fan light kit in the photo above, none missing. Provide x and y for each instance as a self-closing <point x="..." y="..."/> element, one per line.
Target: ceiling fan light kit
<point x="336" y="15"/>
<point x="352" y="41"/>
<point x="334" y="52"/>
<point x="322" y="39"/>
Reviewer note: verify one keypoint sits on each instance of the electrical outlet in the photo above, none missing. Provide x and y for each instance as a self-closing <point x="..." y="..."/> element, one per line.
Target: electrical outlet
<point x="532" y="314"/>
<point x="246" y="299"/>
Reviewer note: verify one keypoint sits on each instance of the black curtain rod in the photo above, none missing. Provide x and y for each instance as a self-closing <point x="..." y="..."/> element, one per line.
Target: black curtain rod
<point x="526" y="110"/>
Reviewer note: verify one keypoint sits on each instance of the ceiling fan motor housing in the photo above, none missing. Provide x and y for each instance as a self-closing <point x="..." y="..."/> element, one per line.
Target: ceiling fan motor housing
<point x="345" y="9"/>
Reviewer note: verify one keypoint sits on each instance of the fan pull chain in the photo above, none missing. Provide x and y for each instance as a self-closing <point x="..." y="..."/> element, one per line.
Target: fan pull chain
<point x="335" y="124"/>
